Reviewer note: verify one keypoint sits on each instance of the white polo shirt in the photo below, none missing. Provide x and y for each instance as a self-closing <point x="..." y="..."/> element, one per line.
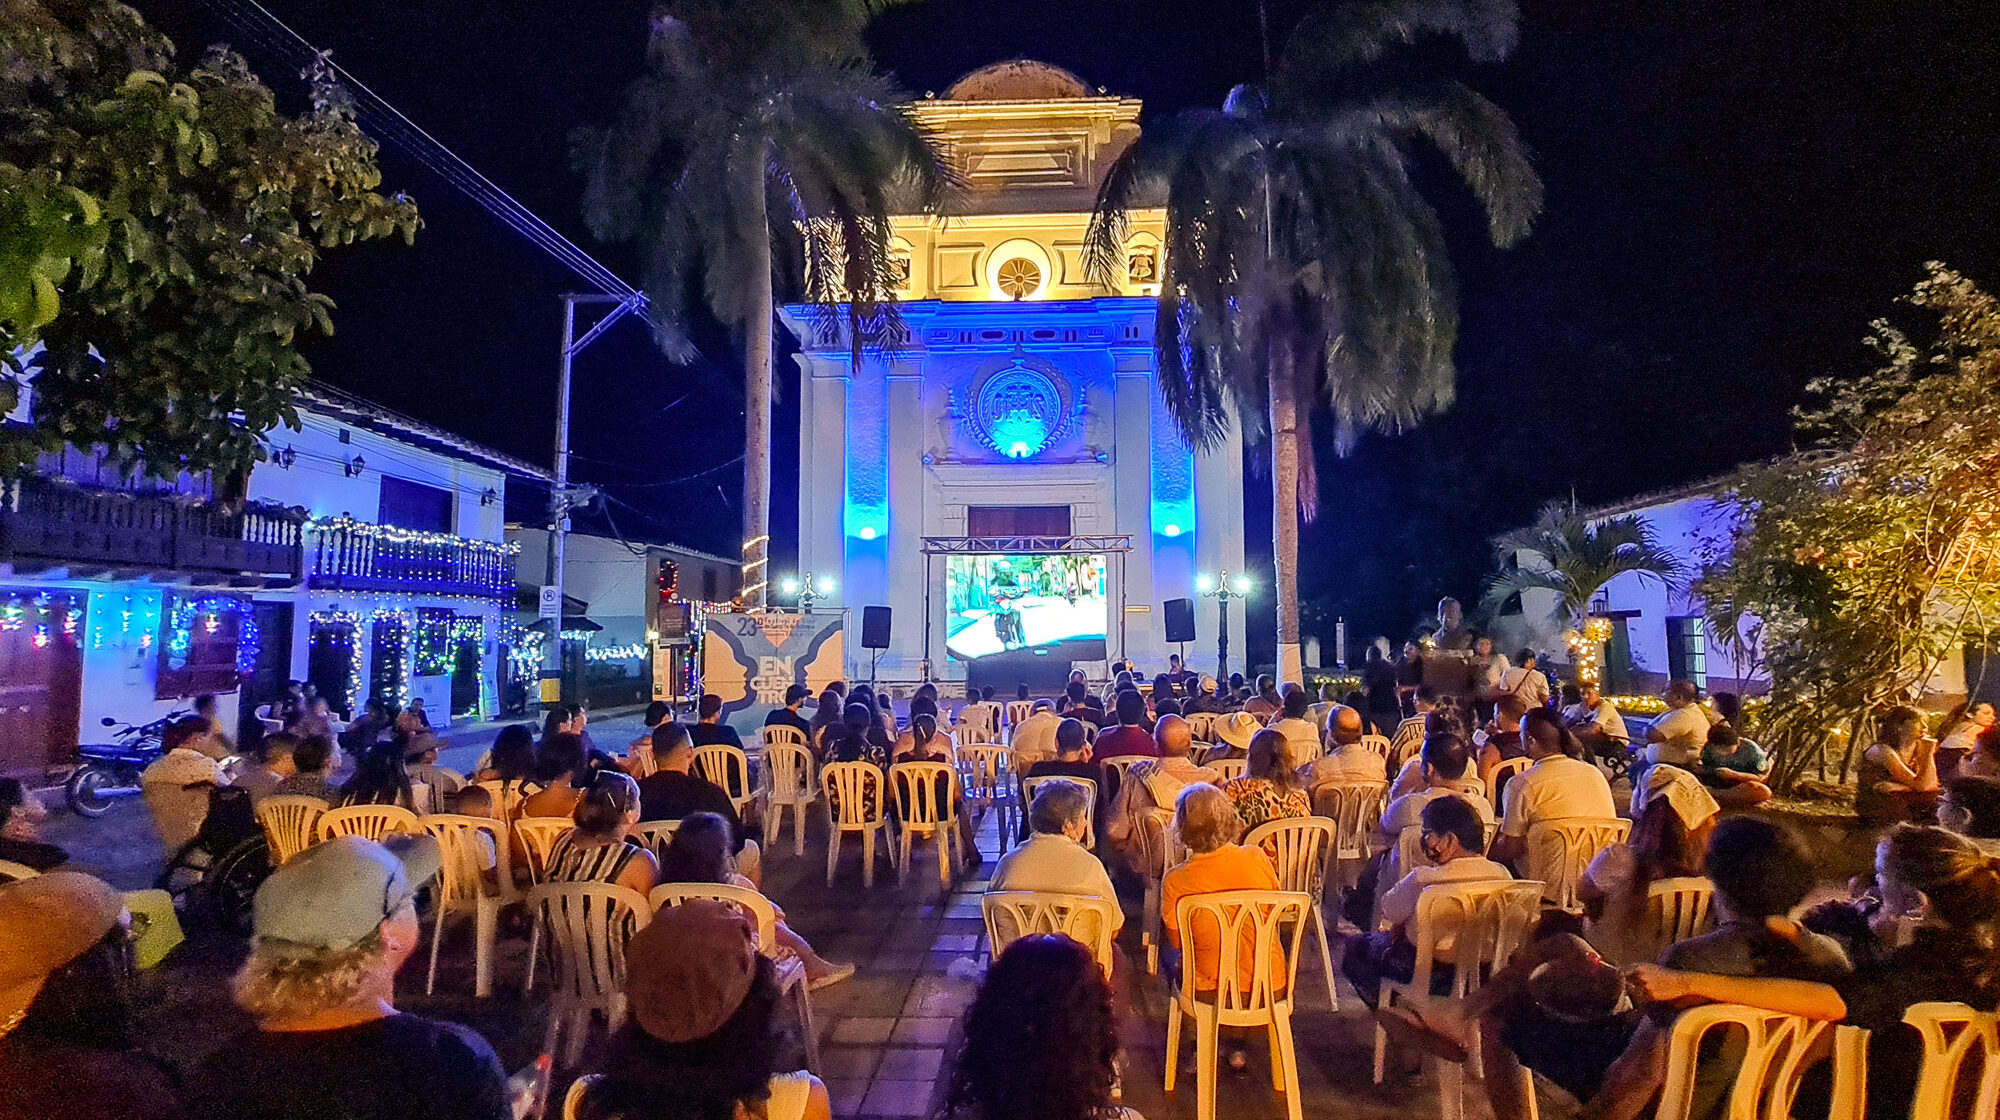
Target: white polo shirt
<point x="1605" y="719"/>
<point x="1683" y="732"/>
<point x="1557" y="786"/>
<point x="1302" y="736"/>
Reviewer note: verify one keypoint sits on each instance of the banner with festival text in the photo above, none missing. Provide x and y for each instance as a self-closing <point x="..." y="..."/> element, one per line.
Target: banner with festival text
<point x="750" y="659"/>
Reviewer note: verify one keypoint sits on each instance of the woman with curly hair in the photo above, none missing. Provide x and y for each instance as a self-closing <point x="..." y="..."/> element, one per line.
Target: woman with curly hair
<point x="1040" y="1039"/>
<point x="1897" y="778"/>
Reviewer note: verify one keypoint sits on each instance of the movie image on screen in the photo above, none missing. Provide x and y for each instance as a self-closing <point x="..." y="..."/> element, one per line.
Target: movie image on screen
<point x="997" y="604"/>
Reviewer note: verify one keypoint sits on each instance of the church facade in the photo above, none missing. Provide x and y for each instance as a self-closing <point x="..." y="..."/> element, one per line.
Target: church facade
<point x="1006" y="479"/>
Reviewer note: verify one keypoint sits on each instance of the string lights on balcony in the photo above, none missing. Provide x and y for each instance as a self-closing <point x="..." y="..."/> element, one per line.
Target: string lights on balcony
<point x="390" y="534"/>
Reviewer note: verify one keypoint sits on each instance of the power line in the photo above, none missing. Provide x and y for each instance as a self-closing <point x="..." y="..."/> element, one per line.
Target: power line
<point x="253" y="20"/>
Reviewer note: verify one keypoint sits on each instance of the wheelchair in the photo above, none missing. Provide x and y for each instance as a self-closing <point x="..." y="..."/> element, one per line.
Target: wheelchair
<point x="214" y="876"/>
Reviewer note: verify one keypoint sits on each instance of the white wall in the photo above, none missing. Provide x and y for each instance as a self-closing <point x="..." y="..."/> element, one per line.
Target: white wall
<point x="317" y="480"/>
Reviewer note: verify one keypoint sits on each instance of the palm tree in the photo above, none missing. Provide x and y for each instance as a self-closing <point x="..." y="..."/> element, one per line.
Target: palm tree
<point x="1303" y="268"/>
<point x="1578" y="558"/>
<point x="760" y="151"/>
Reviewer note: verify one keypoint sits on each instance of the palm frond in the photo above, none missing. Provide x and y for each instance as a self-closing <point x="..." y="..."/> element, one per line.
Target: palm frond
<point x="1477" y="137"/>
<point x="1342" y="37"/>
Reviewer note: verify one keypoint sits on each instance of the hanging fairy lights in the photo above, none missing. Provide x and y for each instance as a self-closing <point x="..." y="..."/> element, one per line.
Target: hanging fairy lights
<point x="1586" y="649"/>
<point x="206" y="612"/>
<point x="335" y="626"/>
<point x="123" y="621"/>
<point x="392" y="535"/>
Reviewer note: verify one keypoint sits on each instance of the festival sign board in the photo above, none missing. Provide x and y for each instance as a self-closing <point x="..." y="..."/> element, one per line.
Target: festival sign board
<point x="750" y="659"/>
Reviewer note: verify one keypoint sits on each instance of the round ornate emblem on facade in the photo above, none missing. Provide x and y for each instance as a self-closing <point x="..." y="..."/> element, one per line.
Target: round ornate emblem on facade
<point x="1018" y="411"/>
<point x="1020" y="277"/>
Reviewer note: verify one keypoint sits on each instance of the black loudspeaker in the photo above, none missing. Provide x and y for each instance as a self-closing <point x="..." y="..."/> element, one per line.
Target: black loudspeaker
<point x="875" y="628"/>
<point x="1180" y="620"/>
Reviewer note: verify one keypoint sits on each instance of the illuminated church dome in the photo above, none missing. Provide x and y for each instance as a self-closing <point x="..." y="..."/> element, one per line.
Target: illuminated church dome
<point x="1019" y="79"/>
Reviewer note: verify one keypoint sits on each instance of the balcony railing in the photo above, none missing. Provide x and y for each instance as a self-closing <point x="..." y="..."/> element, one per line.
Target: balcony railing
<point x="348" y="555"/>
<point x="52" y="522"/>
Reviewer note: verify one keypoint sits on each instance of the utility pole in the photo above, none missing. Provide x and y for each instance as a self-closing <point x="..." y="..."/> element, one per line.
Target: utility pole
<point x="563" y="499"/>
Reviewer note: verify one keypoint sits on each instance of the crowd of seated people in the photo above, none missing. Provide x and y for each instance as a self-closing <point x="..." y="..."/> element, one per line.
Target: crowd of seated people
<point x="1586" y="1003"/>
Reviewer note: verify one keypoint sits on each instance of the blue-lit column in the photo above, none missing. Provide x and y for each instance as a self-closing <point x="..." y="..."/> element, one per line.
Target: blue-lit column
<point x="865" y="513"/>
<point x="1174" y="528"/>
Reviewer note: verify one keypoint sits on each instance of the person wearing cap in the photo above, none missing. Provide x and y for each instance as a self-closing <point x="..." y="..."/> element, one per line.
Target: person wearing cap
<point x="176" y="786"/>
<point x="67" y="1019"/>
<point x="331" y="929"/>
<point x="698" y="1040"/>
<point x="420" y="755"/>
<point x="1234" y="732"/>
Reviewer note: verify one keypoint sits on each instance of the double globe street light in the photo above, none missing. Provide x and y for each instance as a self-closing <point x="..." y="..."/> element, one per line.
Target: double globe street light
<point x="1224" y="590"/>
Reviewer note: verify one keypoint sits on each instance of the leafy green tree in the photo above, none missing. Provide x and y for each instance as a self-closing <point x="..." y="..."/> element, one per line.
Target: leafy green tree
<point x="1855" y="571"/>
<point x="1576" y="557"/>
<point x="175" y="217"/>
<point x="760" y="153"/>
<point x="1303" y="268"/>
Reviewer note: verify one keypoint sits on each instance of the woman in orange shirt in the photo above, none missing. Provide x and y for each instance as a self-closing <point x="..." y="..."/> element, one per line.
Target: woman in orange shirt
<point x="1209" y="825"/>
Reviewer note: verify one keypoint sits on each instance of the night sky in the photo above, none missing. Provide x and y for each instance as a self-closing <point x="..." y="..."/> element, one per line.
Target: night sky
<point x="1734" y="190"/>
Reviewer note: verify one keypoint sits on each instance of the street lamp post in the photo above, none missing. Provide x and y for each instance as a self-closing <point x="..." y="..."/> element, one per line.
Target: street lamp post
<point x="1224" y="591"/>
<point x="808" y="590"/>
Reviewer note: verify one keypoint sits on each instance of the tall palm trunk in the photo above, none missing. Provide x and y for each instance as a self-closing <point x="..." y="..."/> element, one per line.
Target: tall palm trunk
<point x="757" y="378"/>
<point x="1285" y="452"/>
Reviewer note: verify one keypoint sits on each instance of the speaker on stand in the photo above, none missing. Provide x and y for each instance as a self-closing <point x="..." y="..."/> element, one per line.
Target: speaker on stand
<point x="1180" y="624"/>
<point x="874" y="636"/>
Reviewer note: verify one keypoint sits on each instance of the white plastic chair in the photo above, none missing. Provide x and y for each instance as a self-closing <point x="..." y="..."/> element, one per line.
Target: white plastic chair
<point x="924" y="812"/>
<point x="536" y="838"/>
<point x="1164" y="851"/>
<point x="983" y="717"/>
<point x="1778" y="1048"/>
<point x="507" y="796"/>
<point x="789" y="782"/>
<point x="1018" y="710"/>
<point x="729" y="768"/>
<point x="370" y="821"/>
<point x="988" y="774"/>
<point x="1493" y="775"/>
<point x="290" y="823"/>
<point x="588" y="925"/>
<point x="763" y="915"/>
<point x="1679" y="908"/>
<point x="1951" y="1032"/>
<point x="774" y="733"/>
<point x="656" y="835"/>
<point x="1085" y="919"/>
<point x="1202" y="726"/>
<point x="1122" y="767"/>
<point x="1486" y="922"/>
<point x="855" y="802"/>
<point x="1229" y="769"/>
<point x="1273" y="923"/>
<point x="1300" y="849"/>
<point x="11" y="872"/>
<point x="1030" y="785"/>
<point x="1355" y="808"/>
<point x="463" y="885"/>
<point x="1381" y="746"/>
<point x="1408" y="740"/>
<point x="1560" y="849"/>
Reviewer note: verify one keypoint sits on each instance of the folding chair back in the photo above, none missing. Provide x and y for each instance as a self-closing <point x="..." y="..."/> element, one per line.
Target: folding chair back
<point x="1952" y="1032"/>
<point x="472" y="848"/>
<point x="370" y="821"/>
<point x="588" y="925"/>
<point x="1560" y="849"/>
<point x="790" y="781"/>
<point x="1085" y="919"/>
<point x="1380" y="745"/>
<point x="1262" y="928"/>
<point x="1018" y="710"/>
<point x="1355" y="808"/>
<point x="1679" y="908"/>
<point x="754" y="906"/>
<point x="507" y="796"/>
<point x="1229" y="768"/>
<point x="727" y="767"/>
<point x="290" y="823"/>
<point x="1493" y="775"/>
<point x="777" y="733"/>
<point x="656" y="835"/>
<point x="536" y="837"/>
<point x="1777" y="1050"/>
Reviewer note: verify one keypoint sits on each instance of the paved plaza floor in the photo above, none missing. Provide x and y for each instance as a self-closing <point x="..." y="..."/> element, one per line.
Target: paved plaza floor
<point x="887" y="1034"/>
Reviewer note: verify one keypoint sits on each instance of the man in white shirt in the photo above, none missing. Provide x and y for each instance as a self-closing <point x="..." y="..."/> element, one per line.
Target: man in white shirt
<point x="1596" y="722"/>
<point x="1034" y="738"/>
<point x="1451" y="839"/>
<point x="176" y="786"/>
<point x="1555" y="786"/>
<point x="1348" y="761"/>
<point x="1678" y="736"/>
<point x="1299" y="731"/>
<point x="1524" y="682"/>
<point x="1053" y="858"/>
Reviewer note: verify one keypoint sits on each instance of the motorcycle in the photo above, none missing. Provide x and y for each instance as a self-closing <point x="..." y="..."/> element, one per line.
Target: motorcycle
<point x="111" y="770"/>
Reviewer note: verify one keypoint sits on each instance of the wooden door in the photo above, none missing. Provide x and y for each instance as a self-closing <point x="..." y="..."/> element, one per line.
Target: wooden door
<point x="41" y="685"/>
